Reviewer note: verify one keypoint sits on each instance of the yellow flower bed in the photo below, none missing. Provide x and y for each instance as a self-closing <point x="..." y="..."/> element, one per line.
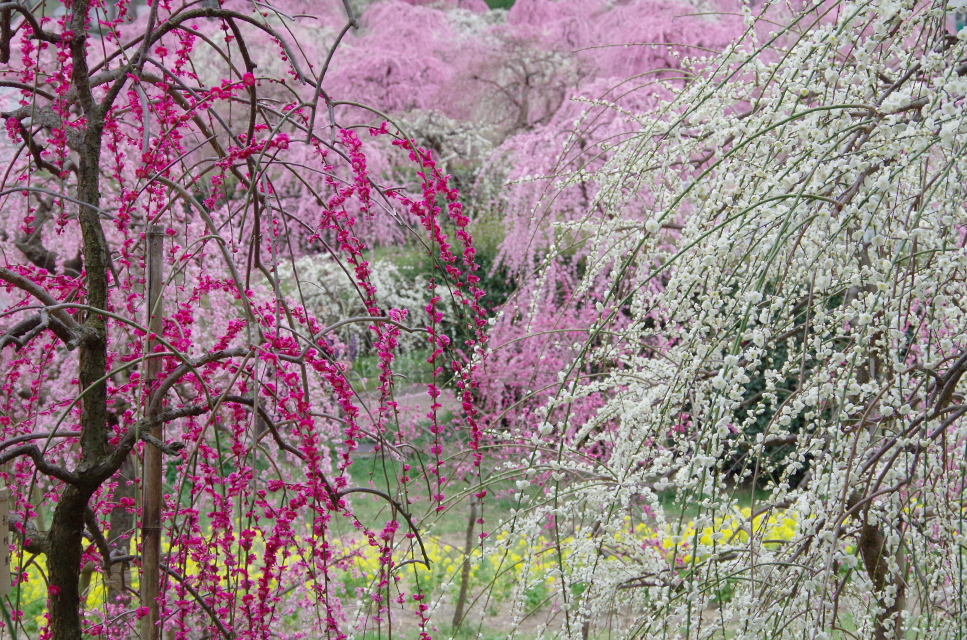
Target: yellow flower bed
<point x="502" y="565"/>
<point x="732" y="530"/>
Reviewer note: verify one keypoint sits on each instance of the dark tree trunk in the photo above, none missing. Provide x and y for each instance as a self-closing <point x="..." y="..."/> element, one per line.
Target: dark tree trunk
<point x="872" y="546"/>
<point x="67" y="525"/>
<point x="64" y="564"/>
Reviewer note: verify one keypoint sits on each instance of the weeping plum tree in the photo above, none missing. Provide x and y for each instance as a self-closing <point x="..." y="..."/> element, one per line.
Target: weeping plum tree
<point x="606" y="70"/>
<point x="205" y="130"/>
<point x="764" y="433"/>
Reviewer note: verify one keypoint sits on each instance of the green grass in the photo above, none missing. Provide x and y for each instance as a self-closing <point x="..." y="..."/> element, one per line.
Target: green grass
<point x="685" y="506"/>
<point x="412" y="367"/>
<point x="466" y="631"/>
<point x="382" y="472"/>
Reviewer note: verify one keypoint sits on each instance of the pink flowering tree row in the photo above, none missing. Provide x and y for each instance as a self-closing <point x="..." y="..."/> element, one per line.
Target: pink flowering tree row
<point x="511" y="101"/>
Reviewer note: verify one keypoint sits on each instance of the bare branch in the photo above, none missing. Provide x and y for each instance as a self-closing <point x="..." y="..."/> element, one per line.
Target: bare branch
<point x="32" y="539"/>
<point x="26" y="87"/>
<point x="45" y="467"/>
<point x="26" y="330"/>
<point x="37" y="436"/>
<point x="29" y="17"/>
<point x="90" y="519"/>
<point x="399" y="507"/>
<point x="950" y="381"/>
<point x="34" y="289"/>
<point x="170" y="449"/>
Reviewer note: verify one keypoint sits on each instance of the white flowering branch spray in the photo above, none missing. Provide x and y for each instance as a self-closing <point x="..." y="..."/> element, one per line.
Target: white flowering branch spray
<point x="764" y="434"/>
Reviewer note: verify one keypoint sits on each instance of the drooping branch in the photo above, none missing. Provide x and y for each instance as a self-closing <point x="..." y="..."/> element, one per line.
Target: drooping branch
<point x="172" y="378"/>
<point x="229" y="261"/>
<point x="174" y="23"/>
<point x="310" y="345"/>
<point x="399" y="507"/>
<point x="270" y="424"/>
<point x="201" y="602"/>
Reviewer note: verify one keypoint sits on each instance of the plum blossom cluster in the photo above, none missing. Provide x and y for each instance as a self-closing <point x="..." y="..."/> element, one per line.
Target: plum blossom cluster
<point x="166" y="127"/>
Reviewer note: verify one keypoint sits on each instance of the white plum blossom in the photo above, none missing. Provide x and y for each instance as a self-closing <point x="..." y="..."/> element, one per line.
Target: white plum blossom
<point x="787" y="377"/>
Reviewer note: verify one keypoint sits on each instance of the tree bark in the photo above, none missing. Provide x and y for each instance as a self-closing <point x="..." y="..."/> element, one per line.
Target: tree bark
<point x="64" y="563"/>
<point x="873" y="549"/>
<point x="872" y="545"/>
<point x="67" y="525"/>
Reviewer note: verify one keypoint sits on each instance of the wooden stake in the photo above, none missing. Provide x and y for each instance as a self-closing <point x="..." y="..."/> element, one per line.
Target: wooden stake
<point x="151" y="479"/>
<point x="4" y="541"/>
